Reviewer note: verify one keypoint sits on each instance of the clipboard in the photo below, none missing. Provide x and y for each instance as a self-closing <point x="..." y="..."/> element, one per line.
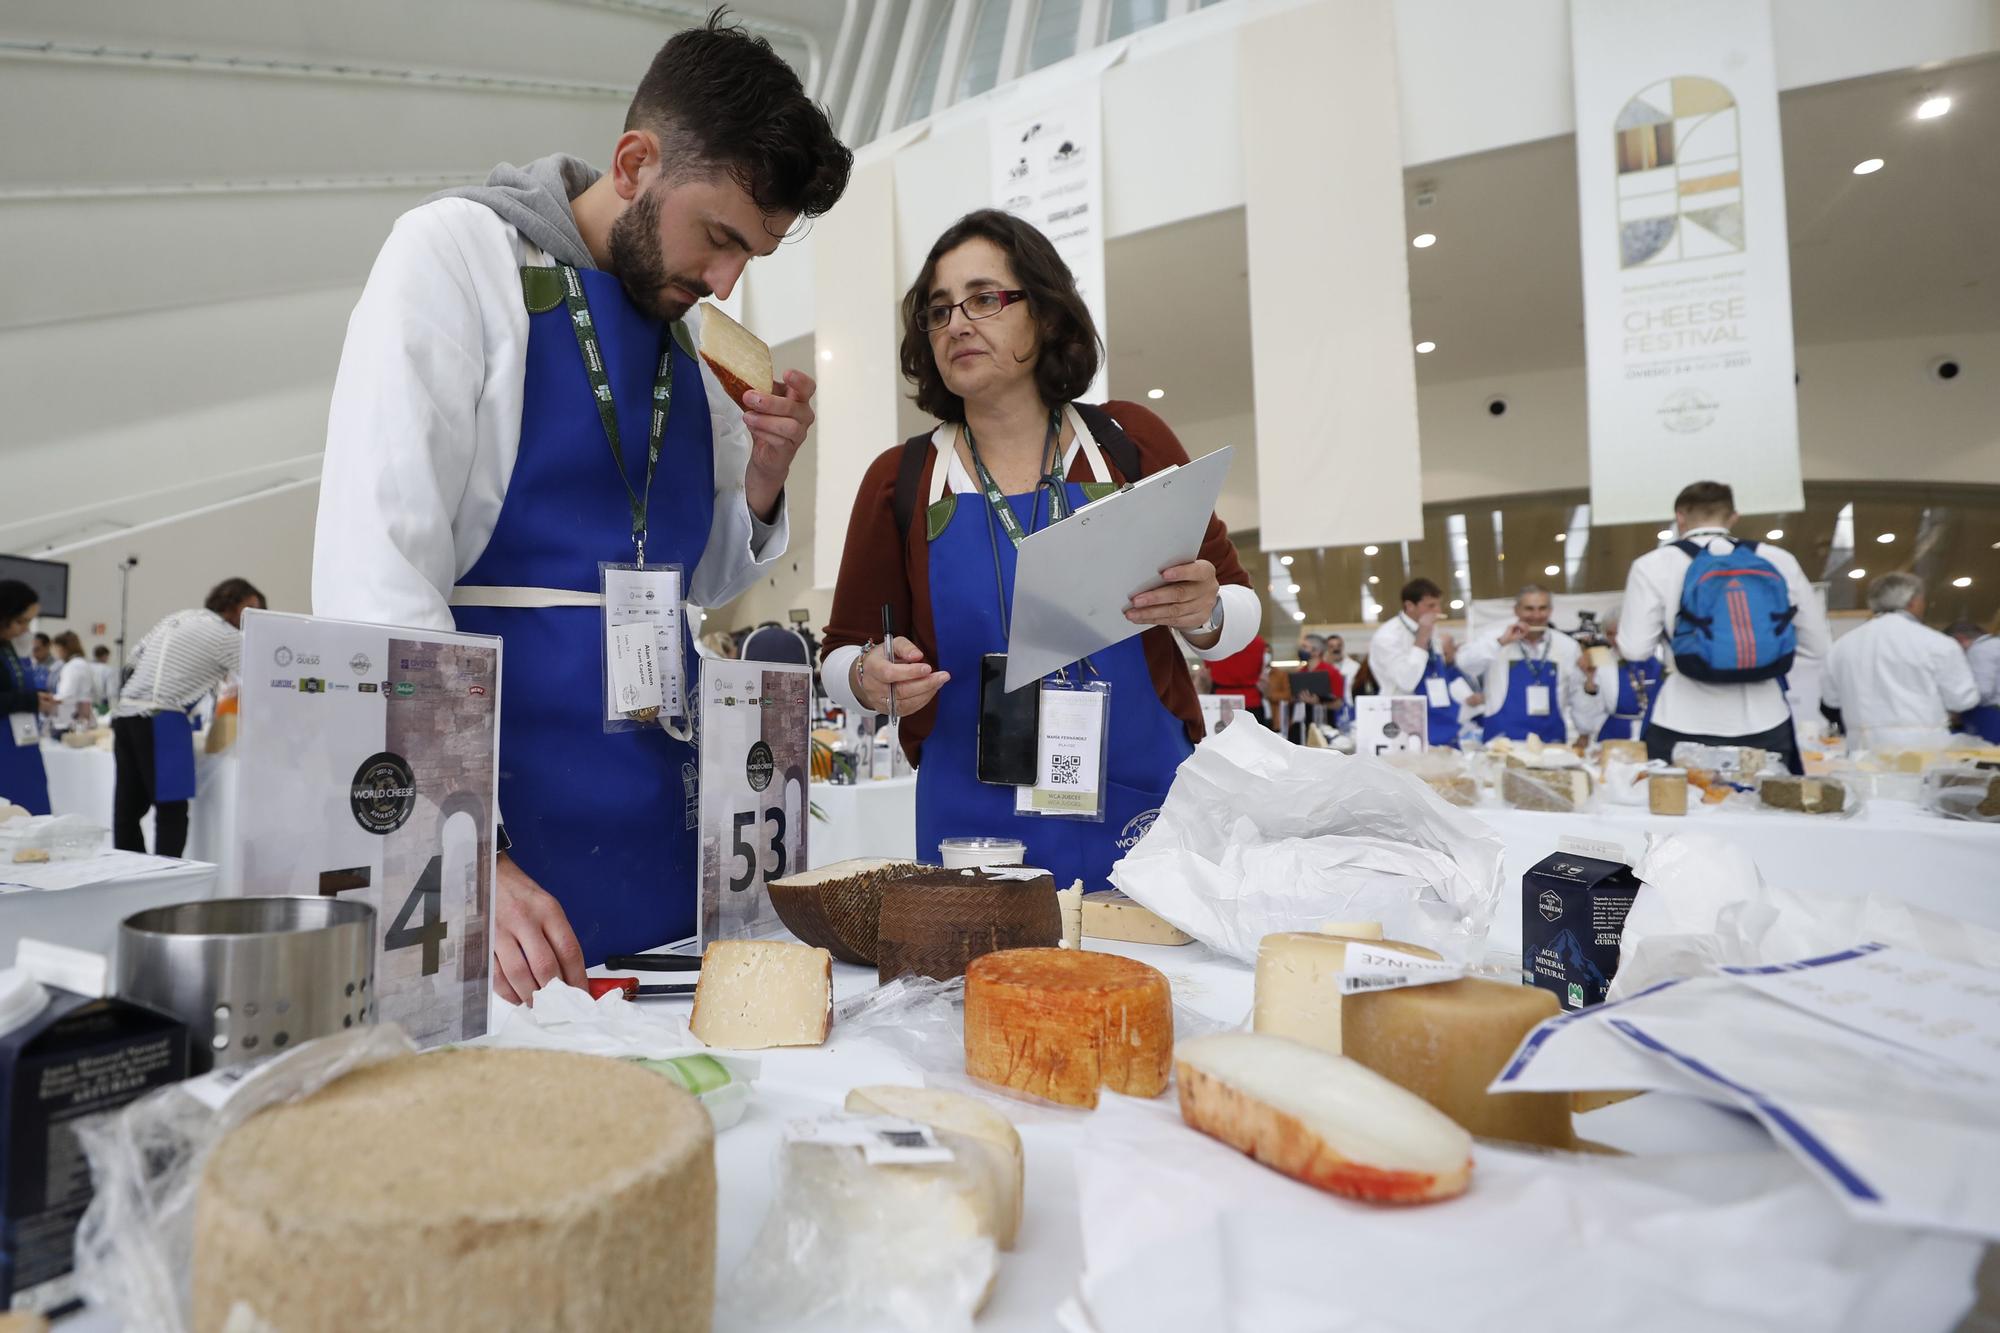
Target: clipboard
<point x="1074" y="579"/>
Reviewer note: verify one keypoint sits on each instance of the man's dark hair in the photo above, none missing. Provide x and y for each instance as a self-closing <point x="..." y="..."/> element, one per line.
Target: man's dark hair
<point x="1418" y="589"/>
<point x="1066" y="361"/>
<point x="16" y="597"/>
<point x="1965" y="629"/>
<point x="229" y="594"/>
<point x="102" y="652"/>
<point x="719" y="98"/>
<point x="1706" y="499"/>
<point x="41" y="640"/>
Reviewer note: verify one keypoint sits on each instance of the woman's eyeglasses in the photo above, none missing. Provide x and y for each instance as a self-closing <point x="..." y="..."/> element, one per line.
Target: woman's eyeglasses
<point x="979" y="305"/>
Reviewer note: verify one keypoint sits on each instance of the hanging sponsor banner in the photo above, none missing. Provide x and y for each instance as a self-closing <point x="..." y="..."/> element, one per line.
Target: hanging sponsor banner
<point x="756" y="753"/>
<point x="1048" y="169"/>
<point x="1686" y="272"/>
<point x="369" y="762"/>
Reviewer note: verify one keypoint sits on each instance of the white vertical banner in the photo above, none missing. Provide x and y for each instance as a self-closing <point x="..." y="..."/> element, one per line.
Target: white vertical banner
<point x="1048" y="169"/>
<point x="1687" y="289"/>
<point x="1334" y="373"/>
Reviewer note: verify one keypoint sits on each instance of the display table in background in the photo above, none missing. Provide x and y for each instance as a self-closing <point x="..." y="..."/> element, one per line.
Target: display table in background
<point x="87" y="916"/>
<point x="85" y="782"/>
<point x="1888" y="847"/>
<point x="876" y="819"/>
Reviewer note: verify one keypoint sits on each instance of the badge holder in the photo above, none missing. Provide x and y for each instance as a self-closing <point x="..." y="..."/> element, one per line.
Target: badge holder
<point x="645" y="672"/>
<point x="1072" y="751"/>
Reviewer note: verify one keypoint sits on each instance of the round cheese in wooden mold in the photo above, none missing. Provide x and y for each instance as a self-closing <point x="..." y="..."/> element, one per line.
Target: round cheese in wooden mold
<point x="1062" y="1023"/>
<point x="934" y="922"/>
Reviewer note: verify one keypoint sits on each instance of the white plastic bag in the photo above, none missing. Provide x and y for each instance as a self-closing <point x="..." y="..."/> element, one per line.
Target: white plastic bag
<point x="1704" y="907"/>
<point x="1260" y="835"/>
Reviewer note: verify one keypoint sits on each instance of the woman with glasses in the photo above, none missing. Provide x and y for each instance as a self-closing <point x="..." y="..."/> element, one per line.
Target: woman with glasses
<point x="998" y="343"/>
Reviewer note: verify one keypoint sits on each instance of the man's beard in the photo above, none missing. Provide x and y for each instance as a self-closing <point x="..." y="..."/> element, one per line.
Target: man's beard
<point x="636" y="262"/>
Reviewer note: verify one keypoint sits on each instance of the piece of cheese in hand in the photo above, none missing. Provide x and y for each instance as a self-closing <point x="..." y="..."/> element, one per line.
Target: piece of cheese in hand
<point x="738" y="357"/>
<point x="1298" y="984"/>
<point x="1321" y="1119"/>
<point x="998" y="1144"/>
<point x="758" y="993"/>
<point x="1063" y="1023"/>
<point x="1448" y="1042"/>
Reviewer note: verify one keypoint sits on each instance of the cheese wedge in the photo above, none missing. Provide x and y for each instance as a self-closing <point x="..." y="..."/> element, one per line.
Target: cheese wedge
<point x="1298" y="984"/>
<point x="1113" y="916"/>
<point x="739" y="358"/>
<point x="998" y="1144"/>
<point x="1321" y="1119"/>
<point x="758" y="993"/>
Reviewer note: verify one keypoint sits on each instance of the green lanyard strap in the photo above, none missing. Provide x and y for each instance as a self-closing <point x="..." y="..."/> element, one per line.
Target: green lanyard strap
<point x="1051" y="477"/>
<point x="607" y="410"/>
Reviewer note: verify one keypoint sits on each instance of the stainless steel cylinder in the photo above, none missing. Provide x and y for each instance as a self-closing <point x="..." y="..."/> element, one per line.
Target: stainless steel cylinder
<point x="251" y="977"/>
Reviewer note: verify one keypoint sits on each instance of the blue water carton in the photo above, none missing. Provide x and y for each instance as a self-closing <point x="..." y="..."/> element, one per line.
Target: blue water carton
<point x="1572" y="914"/>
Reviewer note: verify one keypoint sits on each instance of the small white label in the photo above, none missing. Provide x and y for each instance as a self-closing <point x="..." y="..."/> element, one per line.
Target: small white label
<point x="1600" y="848"/>
<point x="24" y="729"/>
<point x="884" y="1140"/>
<point x="1538" y="701"/>
<point x="649" y="598"/>
<point x="633" y="652"/>
<point x="214" y="1090"/>
<point x="1438" y="690"/>
<point x="1368" y="968"/>
<point x="1072" y="749"/>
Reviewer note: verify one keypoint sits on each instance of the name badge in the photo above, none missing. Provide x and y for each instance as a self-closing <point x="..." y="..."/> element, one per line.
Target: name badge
<point x="634" y="656"/>
<point x="1069" y="768"/>
<point x="1439" y="691"/>
<point x="1538" y="701"/>
<point x="642" y="605"/>
<point x="24" y="728"/>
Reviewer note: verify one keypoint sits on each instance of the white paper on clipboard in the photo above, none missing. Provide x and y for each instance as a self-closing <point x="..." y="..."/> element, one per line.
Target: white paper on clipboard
<point x="1074" y="579"/>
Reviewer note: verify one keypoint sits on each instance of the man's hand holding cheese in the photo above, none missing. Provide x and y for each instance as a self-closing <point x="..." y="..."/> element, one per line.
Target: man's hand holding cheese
<point x="528" y="392"/>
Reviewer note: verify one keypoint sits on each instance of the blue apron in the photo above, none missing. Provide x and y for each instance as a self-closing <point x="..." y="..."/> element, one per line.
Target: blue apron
<point x="1444" y="729"/>
<point x="1983" y="722"/>
<point x="1513" y="720"/>
<point x="23" y="781"/>
<point x="1147" y="742"/>
<point x="173" y="757"/>
<point x="1628" y="719"/>
<point x="606" y="823"/>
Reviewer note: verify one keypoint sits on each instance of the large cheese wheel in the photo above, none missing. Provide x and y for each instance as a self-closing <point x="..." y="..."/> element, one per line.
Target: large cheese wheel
<point x="934" y="922"/>
<point x="498" y="1191"/>
<point x="1062" y="1023"/>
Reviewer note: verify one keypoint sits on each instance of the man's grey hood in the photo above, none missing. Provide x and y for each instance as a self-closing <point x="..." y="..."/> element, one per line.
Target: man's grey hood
<point x="535" y="200"/>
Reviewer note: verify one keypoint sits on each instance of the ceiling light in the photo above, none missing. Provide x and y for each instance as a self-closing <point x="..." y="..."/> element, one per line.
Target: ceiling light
<point x="1298" y="615"/>
<point x="1775" y="535"/>
<point x="1857" y="573"/>
<point x="1370" y="550"/>
<point x="1960" y="582"/>
<point x="1552" y="570"/>
<point x="1426" y="240"/>
<point x="1292" y="589"/>
<point x="1665" y="534"/>
<point x="1464" y="574"/>
<point x="1285" y="560"/>
<point x="1562" y="536"/>
<point x="1886" y="538"/>
<point x="826" y="354"/>
<point x="1457" y="604"/>
<point x="1868" y="168"/>
<point x="1933" y="107"/>
<point x="1156" y="393"/>
<point x="1374" y="578"/>
<point x="1426" y="346"/>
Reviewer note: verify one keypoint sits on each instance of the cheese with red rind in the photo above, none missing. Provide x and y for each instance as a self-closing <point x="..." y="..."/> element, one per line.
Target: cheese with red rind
<point x="1061" y="1024"/>
<point x="740" y="359"/>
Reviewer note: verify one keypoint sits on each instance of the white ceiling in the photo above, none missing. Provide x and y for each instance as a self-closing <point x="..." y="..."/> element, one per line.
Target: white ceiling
<point x="1906" y="252"/>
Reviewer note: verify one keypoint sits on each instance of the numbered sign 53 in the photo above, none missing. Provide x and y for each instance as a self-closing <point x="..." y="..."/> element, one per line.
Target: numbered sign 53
<point x="755" y="763"/>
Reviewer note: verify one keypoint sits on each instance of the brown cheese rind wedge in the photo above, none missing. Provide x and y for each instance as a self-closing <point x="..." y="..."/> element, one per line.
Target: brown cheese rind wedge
<point x="1321" y="1119"/>
<point x="739" y="358"/>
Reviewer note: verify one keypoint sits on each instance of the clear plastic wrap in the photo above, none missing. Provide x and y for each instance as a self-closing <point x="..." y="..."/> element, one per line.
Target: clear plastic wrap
<point x="1810" y="796"/>
<point x="52" y="838"/>
<point x="1258" y="835"/>
<point x="1559" y="790"/>
<point x="135" y="1245"/>
<point x="1963" y="792"/>
<point x="852" y="1245"/>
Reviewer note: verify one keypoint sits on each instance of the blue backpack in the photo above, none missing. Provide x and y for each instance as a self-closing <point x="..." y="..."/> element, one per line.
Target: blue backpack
<point x="1735" y="622"/>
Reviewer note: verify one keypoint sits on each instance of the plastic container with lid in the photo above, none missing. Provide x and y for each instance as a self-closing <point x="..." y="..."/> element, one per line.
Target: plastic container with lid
<point x="978" y="853"/>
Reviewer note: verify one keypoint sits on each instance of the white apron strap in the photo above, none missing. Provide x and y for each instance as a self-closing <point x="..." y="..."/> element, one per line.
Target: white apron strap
<point x="522" y="599"/>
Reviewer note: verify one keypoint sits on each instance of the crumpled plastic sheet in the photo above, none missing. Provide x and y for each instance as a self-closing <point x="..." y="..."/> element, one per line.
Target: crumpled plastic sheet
<point x="135" y="1245"/>
<point x="1259" y="835"/>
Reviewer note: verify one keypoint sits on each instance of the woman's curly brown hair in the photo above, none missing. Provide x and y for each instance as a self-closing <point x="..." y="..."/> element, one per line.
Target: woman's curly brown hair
<point x="1069" y="348"/>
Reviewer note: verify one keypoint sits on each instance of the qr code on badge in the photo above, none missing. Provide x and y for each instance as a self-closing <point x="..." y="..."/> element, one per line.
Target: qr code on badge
<point x="1065" y="770"/>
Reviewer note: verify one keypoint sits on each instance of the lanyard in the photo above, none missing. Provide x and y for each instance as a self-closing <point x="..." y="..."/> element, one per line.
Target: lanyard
<point x="1058" y="497"/>
<point x="607" y="410"/>
<point x="1635" y="676"/>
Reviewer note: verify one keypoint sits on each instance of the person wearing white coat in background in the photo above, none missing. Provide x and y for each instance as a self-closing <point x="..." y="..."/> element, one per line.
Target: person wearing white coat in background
<point x="511" y="336"/>
<point x="1895" y="681"/>
<point x="1529" y="672"/>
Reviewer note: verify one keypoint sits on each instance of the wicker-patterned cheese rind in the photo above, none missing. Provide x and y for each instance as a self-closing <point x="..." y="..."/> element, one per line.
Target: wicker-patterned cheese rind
<point x="836" y="906"/>
<point x="933" y="924"/>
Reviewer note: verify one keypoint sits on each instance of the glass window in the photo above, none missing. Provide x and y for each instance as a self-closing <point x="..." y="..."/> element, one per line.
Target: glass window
<point x="1055" y="32"/>
<point x="982" y="61"/>
<point x="919" y="104"/>
<point x="1128" y="16"/>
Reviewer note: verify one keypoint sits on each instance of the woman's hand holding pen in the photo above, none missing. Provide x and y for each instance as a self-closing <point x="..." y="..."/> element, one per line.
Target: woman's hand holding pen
<point x="915" y="683"/>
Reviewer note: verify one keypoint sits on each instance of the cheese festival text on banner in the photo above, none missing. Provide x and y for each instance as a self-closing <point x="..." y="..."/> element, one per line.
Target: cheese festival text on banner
<point x="1686" y="272"/>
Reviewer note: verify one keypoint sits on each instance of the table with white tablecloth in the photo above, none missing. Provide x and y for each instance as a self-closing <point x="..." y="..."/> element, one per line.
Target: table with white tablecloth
<point x="85" y="782"/>
<point x="1888" y="847"/>
<point x="87" y="916"/>
<point x="863" y="819"/>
